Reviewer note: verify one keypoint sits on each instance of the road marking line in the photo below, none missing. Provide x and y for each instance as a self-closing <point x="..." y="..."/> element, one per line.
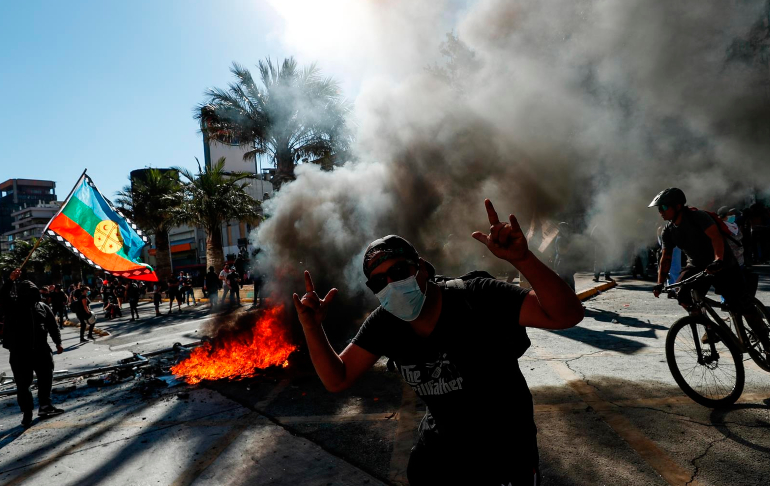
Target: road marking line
<point x="653" y="455"/>
<point x="408" y="420"/>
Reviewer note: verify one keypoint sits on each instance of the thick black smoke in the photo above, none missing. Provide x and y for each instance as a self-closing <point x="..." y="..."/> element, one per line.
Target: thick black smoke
<point x="571" y="110"/>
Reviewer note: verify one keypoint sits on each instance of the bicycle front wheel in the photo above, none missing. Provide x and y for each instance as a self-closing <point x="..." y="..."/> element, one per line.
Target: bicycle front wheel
<point x="712" y="376"/>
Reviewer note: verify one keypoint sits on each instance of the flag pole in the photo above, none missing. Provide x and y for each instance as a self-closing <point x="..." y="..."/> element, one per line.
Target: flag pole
<point x="42" y="234"/>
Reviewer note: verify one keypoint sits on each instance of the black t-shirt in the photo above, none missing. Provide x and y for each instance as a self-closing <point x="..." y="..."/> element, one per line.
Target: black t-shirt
<point x="108" y="292"/>
<point x="58" y="300"/>
<point x="173" y="286"/>
<point x="690" y="236"/>
<point x="232" y="280"/>
<point x="132" y="291"/>
<point x="466" y="365"/>
<point x="212" y="281"/>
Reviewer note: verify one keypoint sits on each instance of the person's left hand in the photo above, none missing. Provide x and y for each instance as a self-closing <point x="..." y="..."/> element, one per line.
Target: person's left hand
<point x="505" y="240"/>
<point x="59" y="349"/>
<point x="715" y="267"/>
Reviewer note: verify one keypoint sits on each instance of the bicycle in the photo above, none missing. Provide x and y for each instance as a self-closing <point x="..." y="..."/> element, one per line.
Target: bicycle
<point x="716" y="377"/>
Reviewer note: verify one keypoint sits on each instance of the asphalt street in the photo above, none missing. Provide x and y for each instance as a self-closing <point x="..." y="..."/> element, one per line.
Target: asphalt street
<point x="607" y="410"/>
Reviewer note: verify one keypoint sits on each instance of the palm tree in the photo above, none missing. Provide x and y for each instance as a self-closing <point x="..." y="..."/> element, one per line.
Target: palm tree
<point x="212" y="197"/>
<point x="294" y="114"/>
<point x="150" y="202"/>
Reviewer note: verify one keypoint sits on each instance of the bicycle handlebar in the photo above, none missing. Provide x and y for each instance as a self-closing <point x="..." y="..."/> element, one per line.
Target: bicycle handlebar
<point x="686" y="281"/>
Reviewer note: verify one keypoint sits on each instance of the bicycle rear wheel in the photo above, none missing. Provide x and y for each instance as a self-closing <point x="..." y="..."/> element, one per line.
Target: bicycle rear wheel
<point x="759" y="341"/>
<point x="713" y="379"/>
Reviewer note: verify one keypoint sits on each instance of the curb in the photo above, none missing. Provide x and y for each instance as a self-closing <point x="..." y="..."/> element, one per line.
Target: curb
<point x="587" y="294"/>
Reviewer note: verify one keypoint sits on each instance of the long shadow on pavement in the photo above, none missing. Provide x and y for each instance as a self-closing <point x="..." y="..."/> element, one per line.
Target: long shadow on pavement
<point x="612" y="339"/>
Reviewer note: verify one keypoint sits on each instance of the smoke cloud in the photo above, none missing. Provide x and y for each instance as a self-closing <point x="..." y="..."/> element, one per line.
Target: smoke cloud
<point x="578" y="111"/>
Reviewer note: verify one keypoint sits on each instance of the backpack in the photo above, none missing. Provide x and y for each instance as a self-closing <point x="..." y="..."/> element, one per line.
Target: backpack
<point x="722" y="227"/>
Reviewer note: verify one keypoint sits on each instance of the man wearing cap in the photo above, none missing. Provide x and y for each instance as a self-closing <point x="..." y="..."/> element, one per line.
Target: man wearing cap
<point x="28" y="323"/>
<point x="457" y="347"/>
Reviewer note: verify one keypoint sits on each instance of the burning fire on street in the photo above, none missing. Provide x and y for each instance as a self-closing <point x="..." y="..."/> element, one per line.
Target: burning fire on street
<point x="242" y="354"/>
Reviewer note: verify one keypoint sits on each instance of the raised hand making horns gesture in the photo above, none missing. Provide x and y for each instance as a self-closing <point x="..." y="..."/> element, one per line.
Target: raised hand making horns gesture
<point x="312" y="309"/>
<point x="505" y="240"/>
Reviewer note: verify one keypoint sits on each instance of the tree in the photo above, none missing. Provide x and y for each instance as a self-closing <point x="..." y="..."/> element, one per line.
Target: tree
<point x="294" y="114"/>
<point x="54" y="258"/>
<point x="212" y="197"/>
<point x="460" y="63"/>
<point x="49" y="256"/>
<point x="150" y="202"/>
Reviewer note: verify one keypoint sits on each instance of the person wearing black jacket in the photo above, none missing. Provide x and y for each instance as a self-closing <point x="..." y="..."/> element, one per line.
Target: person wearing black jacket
<point x="211" y="285"/>
<point x="28" y="322"/>
<point x="59" y="305"/>
<point x="132" y="293"/>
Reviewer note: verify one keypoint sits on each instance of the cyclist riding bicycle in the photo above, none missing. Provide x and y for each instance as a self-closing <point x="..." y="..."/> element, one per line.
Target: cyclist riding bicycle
<point x="697" y="234"/>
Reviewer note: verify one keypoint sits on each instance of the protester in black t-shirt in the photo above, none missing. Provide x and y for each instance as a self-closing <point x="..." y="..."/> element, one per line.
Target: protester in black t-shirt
<point x="211" y="285"/>
<point x="457" y="347"/>
<point x="120" y="293"/>
<point x="174" y="293"/>
<point x="59" y="305"/>
<point x="234" y="282"/>
<point x="28" y="323"/>
<point x="132" y="295"/>
<point x="698" y="236"/>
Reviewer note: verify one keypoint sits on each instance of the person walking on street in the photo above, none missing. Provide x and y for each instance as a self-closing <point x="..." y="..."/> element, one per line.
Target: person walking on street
<point x="455" y="342"/>
<point x="211" y="285"/>
<point x="174" y="294"/>
<point x="600" y="254"/>
<point x="82" y="308"/>
<point x="189" y="291"/>
<point x="563" y="261"/>
<point x="258" y="280"/>
<point x="132" y="294"/>
<point x="59" y="305"/>
<point x="157" y="296"/>
<point x="225" y="285"/>
<point x="120" y="293"/>
<point x="234" y="282"/>
<point x="28" y="323"/>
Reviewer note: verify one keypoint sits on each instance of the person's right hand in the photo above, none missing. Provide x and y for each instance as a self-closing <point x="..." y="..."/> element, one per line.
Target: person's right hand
<point x="16" y="274"/>
<point x="311" y="309"/>
<point x="657" y="289"/>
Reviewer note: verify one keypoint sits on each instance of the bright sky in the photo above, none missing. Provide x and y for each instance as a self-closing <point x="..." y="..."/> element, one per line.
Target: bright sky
<point x="111" y="86"/>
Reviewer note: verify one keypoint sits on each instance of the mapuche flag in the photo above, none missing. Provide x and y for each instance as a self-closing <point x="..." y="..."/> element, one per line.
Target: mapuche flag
<point x="90" y="226"/>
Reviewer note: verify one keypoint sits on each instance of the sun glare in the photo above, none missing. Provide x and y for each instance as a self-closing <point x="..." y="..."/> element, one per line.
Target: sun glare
<point x="315" y="27"/>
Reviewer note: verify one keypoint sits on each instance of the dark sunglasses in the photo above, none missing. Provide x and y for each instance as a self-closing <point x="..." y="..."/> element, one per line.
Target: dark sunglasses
<point x="662" y="208"/>
<point x="399" y="271"/>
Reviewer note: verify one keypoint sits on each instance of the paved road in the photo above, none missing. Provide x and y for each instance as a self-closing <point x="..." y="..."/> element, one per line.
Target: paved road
<point x="607" y="409"/>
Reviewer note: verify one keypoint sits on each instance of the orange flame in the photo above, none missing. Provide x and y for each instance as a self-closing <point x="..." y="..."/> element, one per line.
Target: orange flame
<point x="240" y="356"/>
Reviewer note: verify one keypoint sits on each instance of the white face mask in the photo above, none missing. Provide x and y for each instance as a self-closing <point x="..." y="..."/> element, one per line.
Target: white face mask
<point x="404" y="299"/>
